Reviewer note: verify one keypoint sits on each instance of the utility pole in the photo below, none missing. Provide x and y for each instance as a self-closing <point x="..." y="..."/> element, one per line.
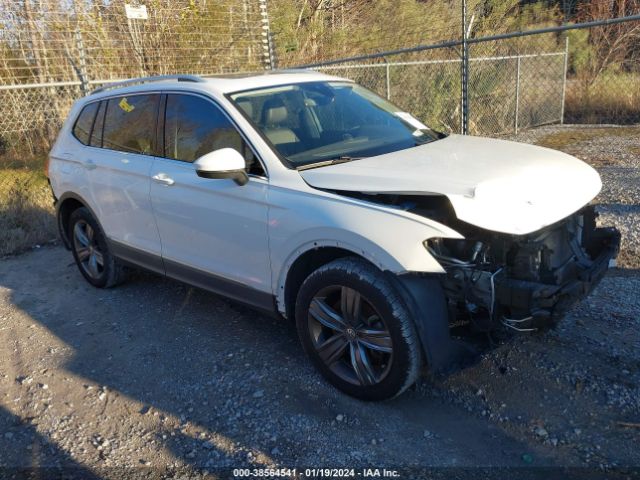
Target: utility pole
<point x="464" y="127"/>
<point x="268" y="56"/>
<point x="37" y="46"/>
<point x="41" y="67"/>
<point x="82" y="65"/>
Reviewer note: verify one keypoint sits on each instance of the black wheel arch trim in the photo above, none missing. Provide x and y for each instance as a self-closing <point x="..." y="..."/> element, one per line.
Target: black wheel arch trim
<point x="60" y="221"/>
<point x="425" y="298"/>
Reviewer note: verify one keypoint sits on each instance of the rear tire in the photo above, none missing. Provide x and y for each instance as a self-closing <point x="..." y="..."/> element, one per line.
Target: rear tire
<point x="91" y="251"/>
<point x="357" y="330"/>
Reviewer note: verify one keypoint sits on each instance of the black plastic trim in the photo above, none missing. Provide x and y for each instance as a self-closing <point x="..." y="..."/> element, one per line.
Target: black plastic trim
<point x="93" y="122"/>
<point x="136" y="257"/>
<point x="58" y="204"/>
<point x="239" y="292"/>
<point x="548" y="303"/>
<point x="425" y="297"/>
<point x="263" y="301"/>
<point x="238" y="176"/>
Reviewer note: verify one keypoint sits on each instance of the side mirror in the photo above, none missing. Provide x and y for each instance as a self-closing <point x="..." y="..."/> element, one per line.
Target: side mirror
<point x="223" y="163"/>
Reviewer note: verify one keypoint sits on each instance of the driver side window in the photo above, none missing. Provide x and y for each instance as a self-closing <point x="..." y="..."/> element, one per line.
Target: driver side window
<point x="194" y="126"/>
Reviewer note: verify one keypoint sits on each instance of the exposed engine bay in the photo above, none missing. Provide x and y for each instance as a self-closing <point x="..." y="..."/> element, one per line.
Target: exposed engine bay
<point x="526" y="282"/>
<point x="521" y="282"/>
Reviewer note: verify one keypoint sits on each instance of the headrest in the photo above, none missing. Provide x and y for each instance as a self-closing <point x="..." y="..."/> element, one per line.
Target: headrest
<point x="276" y="115"/>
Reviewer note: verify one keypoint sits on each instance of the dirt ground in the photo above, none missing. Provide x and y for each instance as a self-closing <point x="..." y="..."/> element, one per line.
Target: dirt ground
<point x="157" y="375"/>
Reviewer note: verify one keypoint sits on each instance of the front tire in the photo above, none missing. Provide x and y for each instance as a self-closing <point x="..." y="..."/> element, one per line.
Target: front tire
<point x="357" y="330"/>
<point x="91" y="252"/>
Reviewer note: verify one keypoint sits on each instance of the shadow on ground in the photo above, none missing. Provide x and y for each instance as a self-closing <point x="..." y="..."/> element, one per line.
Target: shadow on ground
<point x="206" y="383"/>
<point x="24" y="449"/>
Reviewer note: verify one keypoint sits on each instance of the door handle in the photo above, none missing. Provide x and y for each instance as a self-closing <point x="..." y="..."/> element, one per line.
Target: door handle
<point x="163" y="179"/>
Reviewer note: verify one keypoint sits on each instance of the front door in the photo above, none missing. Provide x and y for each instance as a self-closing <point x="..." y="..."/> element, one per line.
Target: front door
<point x="213" y="232"/>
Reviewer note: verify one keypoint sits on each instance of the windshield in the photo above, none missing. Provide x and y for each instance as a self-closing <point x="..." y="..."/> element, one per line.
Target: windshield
<point x="314" y="122"/>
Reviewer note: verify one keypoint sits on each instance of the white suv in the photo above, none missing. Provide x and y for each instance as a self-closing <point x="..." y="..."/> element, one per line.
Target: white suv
<point x="308" y="195"/>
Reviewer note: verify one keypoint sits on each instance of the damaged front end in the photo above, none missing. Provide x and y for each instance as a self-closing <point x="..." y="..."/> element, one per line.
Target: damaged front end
<point x="523" y="282"/>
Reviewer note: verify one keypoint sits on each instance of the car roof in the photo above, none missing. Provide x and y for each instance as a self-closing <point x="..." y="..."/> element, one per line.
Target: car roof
<point x="239" y="82"/>
<point x="221" y="84"/>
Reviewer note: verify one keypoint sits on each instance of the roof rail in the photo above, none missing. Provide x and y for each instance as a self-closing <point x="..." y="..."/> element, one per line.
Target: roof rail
<point x="141" y="80"/>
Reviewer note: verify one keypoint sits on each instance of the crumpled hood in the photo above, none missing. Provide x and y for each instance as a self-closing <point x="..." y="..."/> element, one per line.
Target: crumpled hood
<point x="494" y="184"/>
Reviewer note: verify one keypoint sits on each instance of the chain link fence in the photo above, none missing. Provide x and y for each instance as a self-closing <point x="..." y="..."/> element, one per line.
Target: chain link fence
<point x="53" y="52"/>
<point x="513" y="84"/>
<point x="74" y="40"/>
<point x="512" y="91"/>
<point x="506" y="93"/>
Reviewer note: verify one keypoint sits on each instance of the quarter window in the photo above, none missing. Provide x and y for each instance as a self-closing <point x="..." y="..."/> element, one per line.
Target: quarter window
<point x="130" y="123"/>
<point x="82" y="128"/>
<point x="194" y="126"/>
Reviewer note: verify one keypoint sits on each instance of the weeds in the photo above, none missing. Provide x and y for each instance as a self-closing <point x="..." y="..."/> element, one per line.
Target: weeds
<point x="612" y="98"/>
<point x="26" y="210"/>
<point x="567" y="138"/>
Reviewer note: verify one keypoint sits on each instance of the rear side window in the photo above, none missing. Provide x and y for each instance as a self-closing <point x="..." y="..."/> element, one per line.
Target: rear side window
<point x="130" y="124"/>
<point x="82" y="128"/>
<point x="195" y="126"/>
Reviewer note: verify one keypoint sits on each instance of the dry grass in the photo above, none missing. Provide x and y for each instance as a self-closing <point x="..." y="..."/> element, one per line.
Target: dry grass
<point x="613" y="98"/>
<point x="26" y="210"/>
<point x="569" y="140"/>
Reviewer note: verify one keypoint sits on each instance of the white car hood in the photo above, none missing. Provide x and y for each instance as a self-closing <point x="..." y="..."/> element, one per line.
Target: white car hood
<point x="494" y="184"/>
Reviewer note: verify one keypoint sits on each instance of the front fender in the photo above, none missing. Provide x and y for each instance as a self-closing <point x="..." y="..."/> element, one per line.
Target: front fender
<point x="389" y="238"/>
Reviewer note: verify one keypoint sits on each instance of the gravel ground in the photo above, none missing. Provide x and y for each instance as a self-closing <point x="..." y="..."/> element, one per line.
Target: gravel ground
<point x="615" y="153"/>
<point x="159" y="375"/>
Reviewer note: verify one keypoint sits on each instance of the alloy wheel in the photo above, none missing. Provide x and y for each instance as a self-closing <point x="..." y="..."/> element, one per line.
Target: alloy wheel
<point x="88" y="253"/>
<point x="350" y="336"/>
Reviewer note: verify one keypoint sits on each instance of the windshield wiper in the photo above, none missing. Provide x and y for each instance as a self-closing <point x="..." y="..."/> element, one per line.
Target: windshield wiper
<point x="325" y="163"/>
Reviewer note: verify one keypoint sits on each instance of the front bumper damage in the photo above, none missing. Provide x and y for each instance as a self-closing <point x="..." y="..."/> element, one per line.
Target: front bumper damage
<point x="524" y="283"/>
<point x="538" y="305"/>
<point x="503" y="283"/>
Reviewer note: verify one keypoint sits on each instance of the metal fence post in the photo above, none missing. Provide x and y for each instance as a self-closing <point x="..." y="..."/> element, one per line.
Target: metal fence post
<point x="267" y="39"/>
<point x="81" y="70"/>
<point x="564" y="80"/>
<point x="82" y="66"/>
<point x="464" y="127"/>
<point x="517" y="93"/>
<point x="388" y="78"/>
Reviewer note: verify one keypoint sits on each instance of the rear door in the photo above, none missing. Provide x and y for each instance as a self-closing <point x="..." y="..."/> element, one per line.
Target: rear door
<point x="124" y="137"/>
<point x="214" y="232"/>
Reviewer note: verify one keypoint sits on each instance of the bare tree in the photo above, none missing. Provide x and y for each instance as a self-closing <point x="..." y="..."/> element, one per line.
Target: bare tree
<point x="611" y="45"/>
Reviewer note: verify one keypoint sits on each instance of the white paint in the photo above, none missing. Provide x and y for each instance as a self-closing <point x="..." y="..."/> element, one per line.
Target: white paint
<point x="494" y="184"/>
<point x="252" y="234"/>
<point x="223" y="160"/>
